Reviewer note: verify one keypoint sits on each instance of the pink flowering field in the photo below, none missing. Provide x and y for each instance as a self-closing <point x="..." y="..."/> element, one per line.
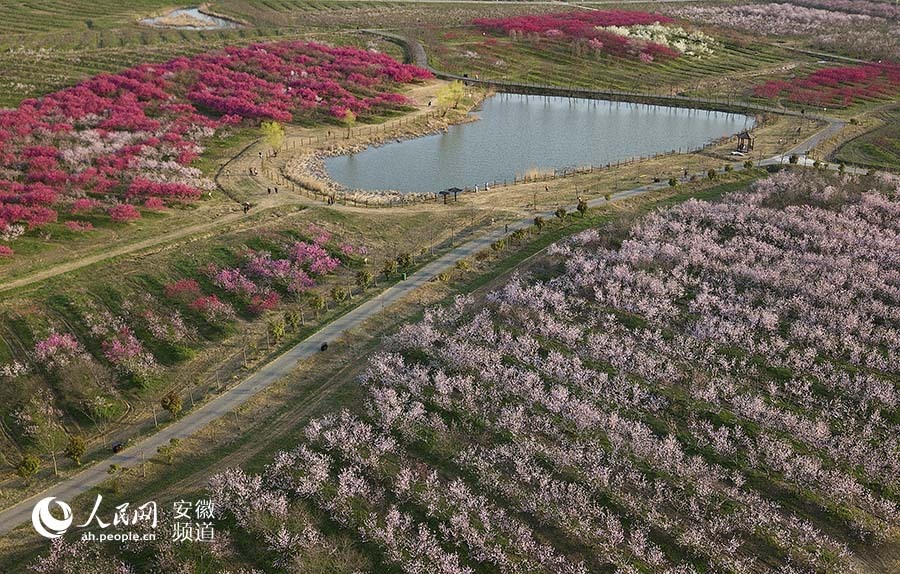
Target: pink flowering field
<point x="585" y="26"/>
<point x="858" y="28"/>
<point x="121" y="140"/>
<point x="837" y="86"/>
<point x="124" y="339"/>
<point x="711" y="391"/>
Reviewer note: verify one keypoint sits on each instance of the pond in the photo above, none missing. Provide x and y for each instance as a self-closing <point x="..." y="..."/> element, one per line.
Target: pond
<point x="517" y="133"/>
<point x="189" y="19"/>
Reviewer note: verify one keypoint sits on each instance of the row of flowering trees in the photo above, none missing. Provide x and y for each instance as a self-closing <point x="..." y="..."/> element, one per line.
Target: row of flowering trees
<point x="85" y="359"/>
<point x="859" y="28"/>
<point x="715" y="392"/>
<point x="775" y="19"/>
<point x="602" y="30"/>
<point x="642" y="407"/>
<point x="837" y="87"/>
<point x="125" y="138"/>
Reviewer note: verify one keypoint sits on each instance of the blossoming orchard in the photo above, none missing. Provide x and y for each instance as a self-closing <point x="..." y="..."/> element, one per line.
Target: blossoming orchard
<point x="606" y="32"/>
<point x="450" y="288"/>
<point x="132" y="136"/>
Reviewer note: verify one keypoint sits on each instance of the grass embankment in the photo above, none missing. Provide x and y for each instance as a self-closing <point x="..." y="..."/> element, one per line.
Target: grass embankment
<point x="879" y="148"/>
<point x="57" y="44"/>
<point x="466" y="50"/>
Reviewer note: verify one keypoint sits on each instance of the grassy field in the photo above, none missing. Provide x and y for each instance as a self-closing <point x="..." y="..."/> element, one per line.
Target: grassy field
<point x="30" y="72"/>
<point x="738" y="64"/>
<point x="467" y="50"/>
<point x="52" y="45"/>
<point x="879" y="148"/>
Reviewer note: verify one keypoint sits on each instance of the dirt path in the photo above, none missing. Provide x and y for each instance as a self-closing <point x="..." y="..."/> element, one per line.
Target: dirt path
<point x="126" y="249"/>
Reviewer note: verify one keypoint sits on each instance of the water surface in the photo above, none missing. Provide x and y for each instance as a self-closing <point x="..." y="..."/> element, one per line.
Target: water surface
<point x="516" y="133"/>
<point x="189" y="19"/>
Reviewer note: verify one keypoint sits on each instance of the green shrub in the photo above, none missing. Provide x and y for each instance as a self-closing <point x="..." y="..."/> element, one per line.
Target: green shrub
<point x="29" y="466"/>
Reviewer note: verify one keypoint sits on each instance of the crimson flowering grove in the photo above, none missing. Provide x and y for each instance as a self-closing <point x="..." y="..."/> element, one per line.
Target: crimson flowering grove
<point x="213" y="309"/>
<point x="182" y="289"/>
<point x="586" y="26"/>
<point x="837" y="87"/>
<point x="132" y="135"/>
<point x="123" y="212"/>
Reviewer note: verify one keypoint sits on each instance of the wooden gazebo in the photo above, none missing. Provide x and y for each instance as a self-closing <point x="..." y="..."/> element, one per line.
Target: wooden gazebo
<point x="745" y="141"/>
